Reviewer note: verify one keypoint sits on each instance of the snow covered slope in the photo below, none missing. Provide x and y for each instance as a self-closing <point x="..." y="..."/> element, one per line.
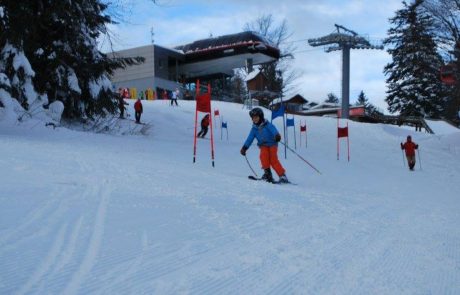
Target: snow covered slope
<point x="441" y="127"/>
<point x="86" y="213"/>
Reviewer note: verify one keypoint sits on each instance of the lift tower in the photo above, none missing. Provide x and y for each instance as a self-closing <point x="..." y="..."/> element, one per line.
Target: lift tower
<point x="344" y="39"/>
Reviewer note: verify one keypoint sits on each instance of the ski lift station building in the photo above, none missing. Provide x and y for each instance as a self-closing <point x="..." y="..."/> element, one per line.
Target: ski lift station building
<point x="212" y="58"/>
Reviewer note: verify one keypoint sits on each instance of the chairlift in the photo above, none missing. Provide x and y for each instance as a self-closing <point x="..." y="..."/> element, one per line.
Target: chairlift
<point x="447" y="73"/>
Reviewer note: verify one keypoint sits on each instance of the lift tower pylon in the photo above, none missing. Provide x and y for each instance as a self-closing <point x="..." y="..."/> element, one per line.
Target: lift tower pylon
<point x="344" y="39"/>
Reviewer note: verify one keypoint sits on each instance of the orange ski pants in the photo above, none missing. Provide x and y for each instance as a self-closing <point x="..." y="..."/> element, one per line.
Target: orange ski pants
<point x="269" y="157"/>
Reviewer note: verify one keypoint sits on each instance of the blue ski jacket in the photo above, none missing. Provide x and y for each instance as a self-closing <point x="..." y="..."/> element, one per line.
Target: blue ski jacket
<point x="265" y="134"/>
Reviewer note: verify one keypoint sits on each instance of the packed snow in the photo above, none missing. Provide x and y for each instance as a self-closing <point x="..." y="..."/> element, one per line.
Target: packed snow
<point x="441" y="127"/>
<point x="128" y="212"/>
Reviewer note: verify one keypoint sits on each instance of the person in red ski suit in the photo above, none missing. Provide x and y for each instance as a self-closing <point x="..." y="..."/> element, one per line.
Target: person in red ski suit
<point x="409" y="146"/>
<point x="138" y="110"/>
<point x="204" y="126"/>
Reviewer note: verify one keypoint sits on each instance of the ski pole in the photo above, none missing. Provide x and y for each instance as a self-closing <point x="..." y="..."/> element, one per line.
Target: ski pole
<point x="404" y="162"/>
<point x="300" y="157"/>
<point x="255" y="174"/>
<point x="419" y="159"/>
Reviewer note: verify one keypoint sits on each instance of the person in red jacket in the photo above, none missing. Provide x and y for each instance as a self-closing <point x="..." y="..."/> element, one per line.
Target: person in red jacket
<point x="204" y="126"/>
<point x="409" y="146"/>
<point x="138" y="110"/>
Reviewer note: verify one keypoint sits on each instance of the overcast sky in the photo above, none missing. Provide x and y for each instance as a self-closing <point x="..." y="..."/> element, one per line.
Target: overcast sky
<point x="177" y="22"/>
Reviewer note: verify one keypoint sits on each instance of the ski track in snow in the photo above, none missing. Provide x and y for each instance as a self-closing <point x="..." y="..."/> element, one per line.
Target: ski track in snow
<point x="95" y="241"/>
<point x="133" y="215"/>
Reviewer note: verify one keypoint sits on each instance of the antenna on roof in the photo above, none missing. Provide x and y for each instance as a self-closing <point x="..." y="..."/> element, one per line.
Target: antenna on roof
<point x="152" y="34"/>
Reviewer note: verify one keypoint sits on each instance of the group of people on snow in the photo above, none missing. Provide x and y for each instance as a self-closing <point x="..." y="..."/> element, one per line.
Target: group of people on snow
<point x="131" y="93"/>
<point x="138" y="109"/>
<point x="171" y="95"/>
<point x="267" y="139"/>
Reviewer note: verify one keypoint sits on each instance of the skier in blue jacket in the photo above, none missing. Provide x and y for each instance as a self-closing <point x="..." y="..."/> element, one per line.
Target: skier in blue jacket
<point x="267" y="140"/>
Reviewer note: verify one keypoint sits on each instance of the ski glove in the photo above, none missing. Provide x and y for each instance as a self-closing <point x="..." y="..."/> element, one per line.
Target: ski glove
<point x="243" y="151"/>
<point x="278" y="138"/>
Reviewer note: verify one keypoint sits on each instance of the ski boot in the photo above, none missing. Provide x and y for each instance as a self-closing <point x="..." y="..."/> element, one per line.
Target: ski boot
<point x="267" y="175"/>
<point x="283" y="179"/>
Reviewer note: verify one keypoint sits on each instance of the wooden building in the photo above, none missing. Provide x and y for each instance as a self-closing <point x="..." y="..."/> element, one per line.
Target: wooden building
<point x="292" y="105"/>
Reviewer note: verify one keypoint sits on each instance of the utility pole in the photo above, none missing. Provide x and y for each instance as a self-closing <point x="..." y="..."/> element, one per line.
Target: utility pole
<point x="344" y="39"/>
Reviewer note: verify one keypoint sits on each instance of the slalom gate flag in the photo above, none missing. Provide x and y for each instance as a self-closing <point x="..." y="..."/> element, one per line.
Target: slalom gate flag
<point x="203" y="103"/>
<point x="279" y="112"/>
<point x="224" y="124"/>
<point x="290" y="122"/>
<point x="216" y="112"/>
<point x="303" y="128"/>
<point x="342" y="132"/>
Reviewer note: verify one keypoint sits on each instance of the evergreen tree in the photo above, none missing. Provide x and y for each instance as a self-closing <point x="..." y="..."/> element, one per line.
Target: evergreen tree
<point x="58" y="38"/>
<point x="15" y="70"/>
<point x="446" y="14"/>
<point x="238" y="88"/>
<point x="413" y="76"/>
<point x="332" y="98"/>
<point x="362" y="99"/>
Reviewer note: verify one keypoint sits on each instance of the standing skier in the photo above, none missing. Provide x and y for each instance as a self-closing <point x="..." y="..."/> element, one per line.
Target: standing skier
<point x="267" y="139"/>
<point x="409" y="146"/>
<point x="138" y="110"/>
<point x="174" y="96"/>
<point x="121" y="106"/>
<point x="204" y="126"/>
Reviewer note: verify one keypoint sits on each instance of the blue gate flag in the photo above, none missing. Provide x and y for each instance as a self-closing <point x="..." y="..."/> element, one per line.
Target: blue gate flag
<point x="224" y="124"/>
<point x="290" y="122"/>
<point x="279" y="112"/>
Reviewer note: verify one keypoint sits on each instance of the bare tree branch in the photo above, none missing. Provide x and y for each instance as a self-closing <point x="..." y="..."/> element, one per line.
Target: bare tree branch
<point x="280" y="73"/>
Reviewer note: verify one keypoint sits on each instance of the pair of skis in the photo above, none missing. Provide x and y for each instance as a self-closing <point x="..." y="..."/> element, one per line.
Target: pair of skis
<point x="274" y="182"/>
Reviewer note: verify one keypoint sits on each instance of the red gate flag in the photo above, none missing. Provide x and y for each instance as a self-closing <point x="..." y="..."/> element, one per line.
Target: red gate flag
<point x="203" y="103"/>
<point x="342" y="132"/>
<point x="216" y="112"/>
<point x="303" y="128"/>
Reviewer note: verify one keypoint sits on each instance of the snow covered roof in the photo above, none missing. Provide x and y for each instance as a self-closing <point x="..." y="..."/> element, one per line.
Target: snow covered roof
<point x="244" y="39"/>
<point x="326" y="105"/>
<point x="252" y="75"/>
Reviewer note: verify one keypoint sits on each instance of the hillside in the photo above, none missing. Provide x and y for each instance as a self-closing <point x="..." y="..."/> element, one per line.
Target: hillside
<point x="87" y="213"/>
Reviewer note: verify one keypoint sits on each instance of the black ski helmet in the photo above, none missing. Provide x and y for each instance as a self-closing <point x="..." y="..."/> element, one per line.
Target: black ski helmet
<point x="257" y="112"/>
